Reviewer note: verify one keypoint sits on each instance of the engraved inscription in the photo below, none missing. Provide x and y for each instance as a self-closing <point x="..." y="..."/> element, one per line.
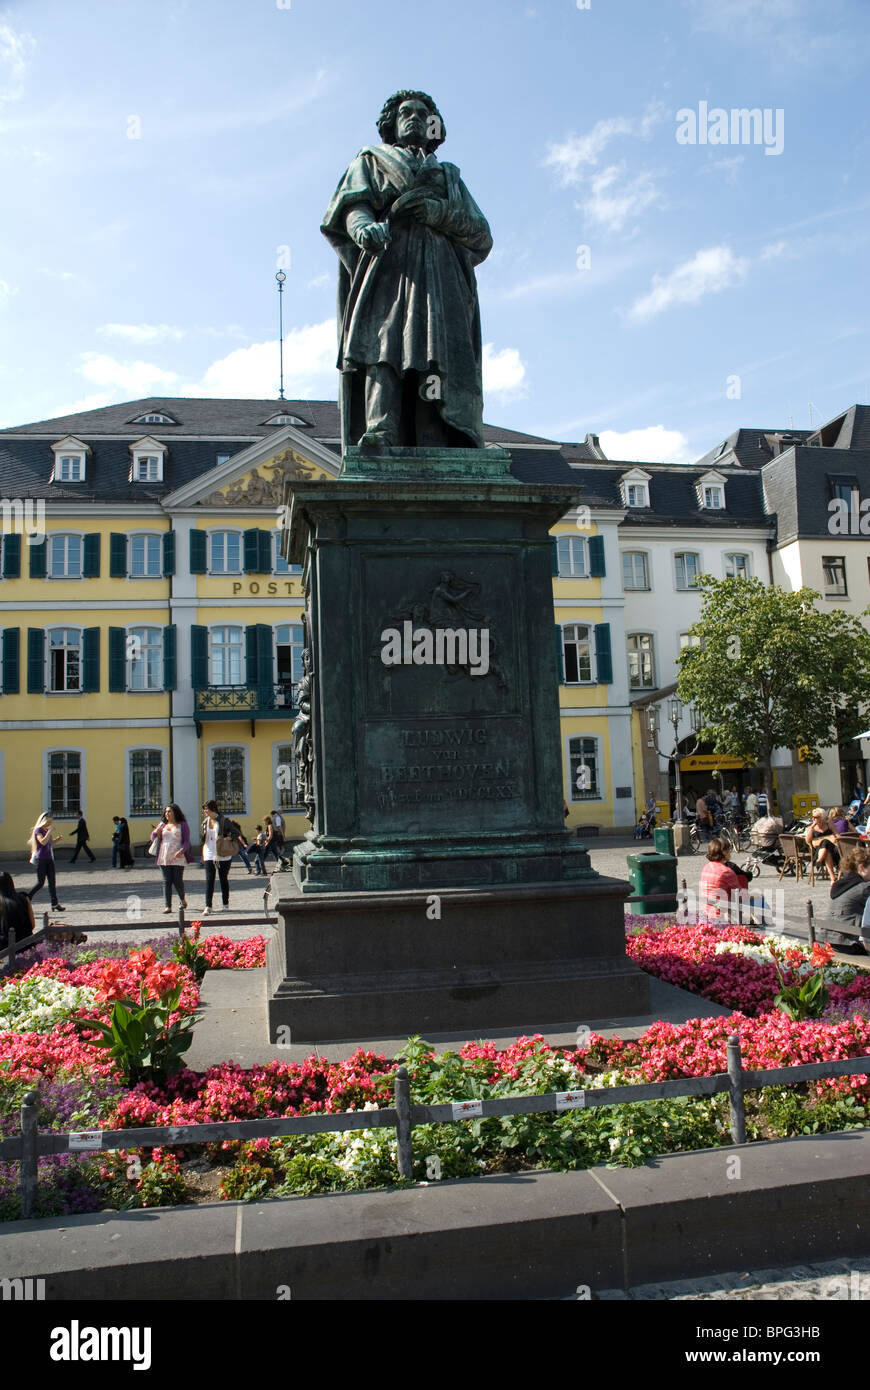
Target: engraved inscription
<point x="442" y="765"/>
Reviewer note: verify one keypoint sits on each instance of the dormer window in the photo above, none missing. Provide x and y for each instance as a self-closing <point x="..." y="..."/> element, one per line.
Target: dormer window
<point x="146" y="461"/>
<point x="711" y="492"/>
<point x="285" y="419"/>
<point x="635" y="488"/>
<point x="70" y="461"/>
<point x="154" y="419"/>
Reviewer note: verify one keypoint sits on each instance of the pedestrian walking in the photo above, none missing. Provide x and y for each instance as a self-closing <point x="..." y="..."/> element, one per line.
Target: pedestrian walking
<point x="219" y="845"/>
<point x="42" y="837"/>
<point x="116" y="823"/>
<point x="243" y="853"/>
<point x="82" y="838"/>
<point x="271" y="844"/>
<point x="125" y="852"/>
<point x="170" y="845"/>
<point x="258" y="848"/>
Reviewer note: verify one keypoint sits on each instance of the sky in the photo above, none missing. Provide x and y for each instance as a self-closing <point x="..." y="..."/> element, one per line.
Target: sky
<point x="160" y="160"/>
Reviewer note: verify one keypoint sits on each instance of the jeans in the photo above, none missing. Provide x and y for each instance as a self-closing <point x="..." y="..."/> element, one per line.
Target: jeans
<point x="222" y="866"/>
<point x="173" y="877"/>
<point x="243" y="855"/>
<point x="44" y="870"/>
<point x="114" y="854"/>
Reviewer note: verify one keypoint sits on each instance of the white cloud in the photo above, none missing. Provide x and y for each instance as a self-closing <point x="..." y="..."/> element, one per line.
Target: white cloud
<point x="15" y="50"/>
<point x="774" y="250"/>
<point x="142" y="332"/>
<point x="252" y="372"/>
<point x="654" y="444"/>
<point x="319" y="281"/>
<point x="615" y="198"/>
<point x="504" y="373"/>
<point x="125" y="379"/>
<point x="569" y="157"/>
<point x="708" y="272"/>
<point x="5" y="289"/>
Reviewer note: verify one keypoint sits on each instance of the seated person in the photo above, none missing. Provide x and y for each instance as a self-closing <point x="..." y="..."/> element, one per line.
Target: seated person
<point x="719" y="880"/>
<point x="838" y="822"/>
<point x="849" y="896"/>
<point x="820" y="838"/>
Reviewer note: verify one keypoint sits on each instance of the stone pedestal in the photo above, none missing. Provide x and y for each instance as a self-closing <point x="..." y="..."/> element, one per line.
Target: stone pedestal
<point x="437" y="764"/>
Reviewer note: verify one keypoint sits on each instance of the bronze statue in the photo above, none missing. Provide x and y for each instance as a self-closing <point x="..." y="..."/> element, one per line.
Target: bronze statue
<point x="408" y="235"/>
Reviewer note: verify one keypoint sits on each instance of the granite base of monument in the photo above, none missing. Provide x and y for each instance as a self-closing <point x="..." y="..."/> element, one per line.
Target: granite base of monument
<point x="362" y="965"/>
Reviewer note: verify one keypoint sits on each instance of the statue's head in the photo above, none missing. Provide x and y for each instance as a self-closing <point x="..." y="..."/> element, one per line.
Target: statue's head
<point x="412" y="118"/>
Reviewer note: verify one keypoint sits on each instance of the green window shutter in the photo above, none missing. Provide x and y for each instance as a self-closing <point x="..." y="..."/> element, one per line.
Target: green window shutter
<point x="117" y="556"/>
<point x="12" y="556"/>
<point x="251" y="653"/>
<point x="91" y="659"/>
<point x="198" y="543"/>
<point x="38" y="560"/>
<point x="35" y="660"/>
<point x="252" y="551"/>
<point x="91" y="556"/>
<point x="265" y="663"/>
<point x="264" y="541"/>
<point x="603" y="657"/>
<point x="199" y="657"/>
<point x="10" y="660"/>
<point x="597" y="568"/>
<point x="555" y="544"/>
<point x="560" y="655"/>
<point x="117" y="659"/>
<point x="168" y="552"/>
<point x="169" y="661"/>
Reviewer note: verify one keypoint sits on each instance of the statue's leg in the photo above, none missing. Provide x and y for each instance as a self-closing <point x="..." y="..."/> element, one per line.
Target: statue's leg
<point x="383" y="394"/>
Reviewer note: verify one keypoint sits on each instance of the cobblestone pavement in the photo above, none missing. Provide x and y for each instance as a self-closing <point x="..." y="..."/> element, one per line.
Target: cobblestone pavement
<point x="835" y="1280"/>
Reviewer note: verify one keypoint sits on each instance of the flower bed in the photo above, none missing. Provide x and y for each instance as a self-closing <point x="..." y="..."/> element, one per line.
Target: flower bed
<point x="79" y="1088"/>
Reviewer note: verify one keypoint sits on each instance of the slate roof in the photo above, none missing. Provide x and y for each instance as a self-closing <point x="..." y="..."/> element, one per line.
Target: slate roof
<point x="747" y="448"/>
<point x="848" y="431"/>
<point x="797" y="485"/>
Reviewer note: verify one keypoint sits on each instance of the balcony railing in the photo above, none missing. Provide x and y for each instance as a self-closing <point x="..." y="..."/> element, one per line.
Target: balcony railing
<point x="245" y="702"/>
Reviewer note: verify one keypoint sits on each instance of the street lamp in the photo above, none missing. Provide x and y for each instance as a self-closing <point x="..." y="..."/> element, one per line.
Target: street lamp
<point x="676" y="710"/>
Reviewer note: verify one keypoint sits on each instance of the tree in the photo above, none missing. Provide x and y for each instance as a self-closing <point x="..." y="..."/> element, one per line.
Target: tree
<point x="772" y="671"/>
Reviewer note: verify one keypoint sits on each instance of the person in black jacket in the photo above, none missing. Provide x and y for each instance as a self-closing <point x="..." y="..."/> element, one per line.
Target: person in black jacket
<point x="125" y="852"/>
<point x="849" y="895"/>
<point x="82" y="838"/>
<point x="16" y="912"/>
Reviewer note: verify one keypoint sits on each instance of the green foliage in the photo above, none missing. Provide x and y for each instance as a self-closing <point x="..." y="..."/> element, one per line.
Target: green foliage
<point x="784" y="1113"/>
<point x="187" y="952"/>
<point x="772" y="670"/>
<point x="141" y="1039"/>
<point x="805" y="998"/>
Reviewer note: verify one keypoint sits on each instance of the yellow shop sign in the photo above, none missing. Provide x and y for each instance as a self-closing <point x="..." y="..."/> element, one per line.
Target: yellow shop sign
<point x="712" y="762"/>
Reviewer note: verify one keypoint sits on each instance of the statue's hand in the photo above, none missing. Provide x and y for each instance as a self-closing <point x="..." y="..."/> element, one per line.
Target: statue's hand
<point x="420" y="205"/>
<point x="373" y="237"/>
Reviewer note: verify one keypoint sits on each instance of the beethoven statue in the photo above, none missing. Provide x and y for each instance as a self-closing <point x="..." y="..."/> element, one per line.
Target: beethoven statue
<point x="408" y="235"/>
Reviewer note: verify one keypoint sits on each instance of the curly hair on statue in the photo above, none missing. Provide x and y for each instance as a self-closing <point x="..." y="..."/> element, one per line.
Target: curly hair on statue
<point x="387" y="119"/>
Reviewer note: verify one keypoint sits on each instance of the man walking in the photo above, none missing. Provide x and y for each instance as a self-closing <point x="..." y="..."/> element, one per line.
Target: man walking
<point x="82" y="838"/>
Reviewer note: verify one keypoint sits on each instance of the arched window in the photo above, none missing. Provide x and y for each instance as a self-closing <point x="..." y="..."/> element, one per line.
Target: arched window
<point x="641" y="661"/>
<point x="144" y="658"/>
<point x="225" y="552"/>
<point x="635" y="571"/>
<point x="64" y="659"/>
<point x="64" y="556"/>
<point x="227" y="656"/>
<point x="577" y="652"/>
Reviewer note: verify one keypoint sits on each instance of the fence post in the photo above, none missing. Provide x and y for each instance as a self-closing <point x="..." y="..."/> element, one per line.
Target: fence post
<point x="402" y="1091"/>
<point x="735" y="1090"/>
<point x="181" y="923"/>
<point x="29" y="1153"/>
<point x="811" y="926"/>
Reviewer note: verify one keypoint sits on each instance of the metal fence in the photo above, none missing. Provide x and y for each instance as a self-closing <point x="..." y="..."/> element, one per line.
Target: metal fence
<point x="32" y="1144"/>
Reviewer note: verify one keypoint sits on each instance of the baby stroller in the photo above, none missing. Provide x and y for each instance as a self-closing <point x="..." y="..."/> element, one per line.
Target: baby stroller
<point x="645" y="826"/>
<point x="764" y="846"/>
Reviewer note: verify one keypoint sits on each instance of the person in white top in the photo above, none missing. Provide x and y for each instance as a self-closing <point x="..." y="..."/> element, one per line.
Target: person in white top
<point x="214" y="827"/>
<point x="170" y="843"/>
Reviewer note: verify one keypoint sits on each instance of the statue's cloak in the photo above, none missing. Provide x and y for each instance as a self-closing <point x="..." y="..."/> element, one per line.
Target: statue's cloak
<point x="414" y="306"/>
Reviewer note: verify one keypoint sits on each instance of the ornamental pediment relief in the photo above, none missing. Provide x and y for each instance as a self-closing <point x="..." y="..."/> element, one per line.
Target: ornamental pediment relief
<point x="264" y="486"/>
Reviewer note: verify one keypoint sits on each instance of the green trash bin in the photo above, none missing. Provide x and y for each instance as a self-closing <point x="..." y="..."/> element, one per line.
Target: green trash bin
<point x="653" y="873"/>
<point x="663" y="839"/>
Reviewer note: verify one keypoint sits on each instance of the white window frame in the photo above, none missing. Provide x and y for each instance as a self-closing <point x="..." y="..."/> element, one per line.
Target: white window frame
<point x="571" y="799"/>
<point x="225" y="531"/>
<point x="590" y="641"/>
<point x="709" y="492"/>
<point x="636" y="588"/>
<point x="277" y="557"/>
<point x="212" y="796"/>
<point x="46" y="674"/>
<point x="637" y="482"/>
<point x="153" y="420"/>
<point x="130" y="664"/>
<point x="212" y="645"/>
<point x="577" y="566"/>
<point x="275" y="644"/>
<point x="70" y="451"/>
<point x="729" y="555"/>
<point x="50" y="539"/>
<point x="134" y="535"/>
<point x="689" y="640"/>
<point x="46" y="776"/>
<point x="682" y="555"/>
<point x="641" y="685"/>
<point x="128" y="779"/>
<point x="284" y="418"/>
<point x="828" y="591"/>
<point x="153" y="468"/>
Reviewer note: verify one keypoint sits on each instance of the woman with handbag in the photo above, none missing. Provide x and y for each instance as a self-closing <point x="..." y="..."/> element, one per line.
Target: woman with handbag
<point x="218" y="848"/>
<point x="170" y="846"/>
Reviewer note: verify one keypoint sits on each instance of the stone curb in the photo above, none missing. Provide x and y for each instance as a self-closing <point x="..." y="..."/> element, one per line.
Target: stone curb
<point x="515" y="1236"/>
